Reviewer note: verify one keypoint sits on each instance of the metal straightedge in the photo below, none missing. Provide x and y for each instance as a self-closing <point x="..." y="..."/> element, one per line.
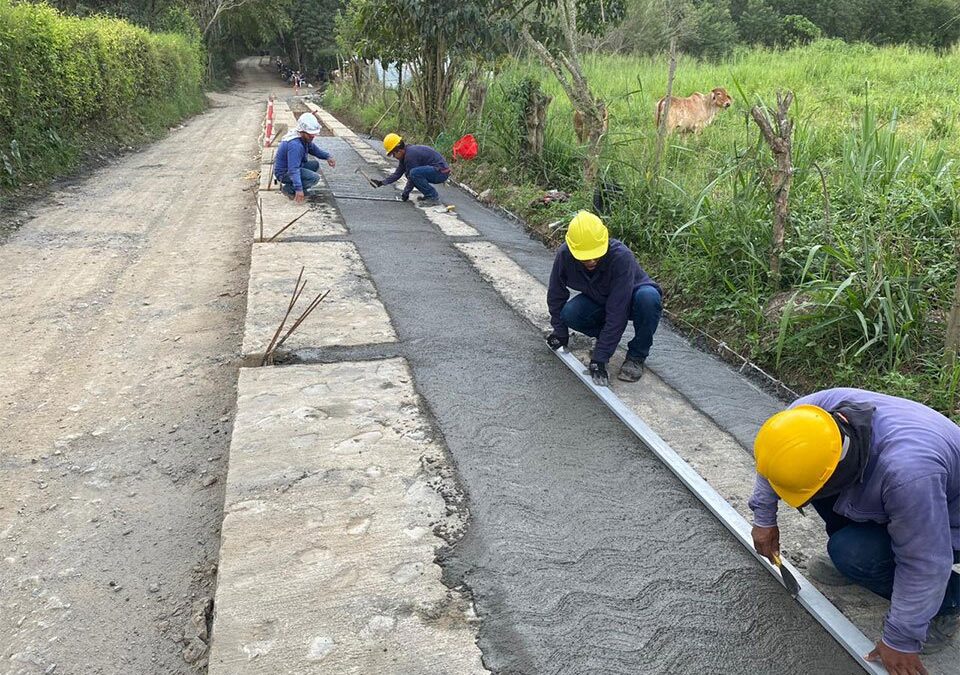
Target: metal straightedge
<point x="840" y="627"/>
<point x="365" y="198"/>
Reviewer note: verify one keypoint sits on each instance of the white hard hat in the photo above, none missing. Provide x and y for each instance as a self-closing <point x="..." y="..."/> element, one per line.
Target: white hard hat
<point x="308" y="124"/>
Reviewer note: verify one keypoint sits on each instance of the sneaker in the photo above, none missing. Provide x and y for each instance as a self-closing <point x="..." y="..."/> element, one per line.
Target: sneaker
<point x="822" y="570"/>
<point x="631" y="370"/>
<point x="427" y="201"/>
<point x="941" y="632"/>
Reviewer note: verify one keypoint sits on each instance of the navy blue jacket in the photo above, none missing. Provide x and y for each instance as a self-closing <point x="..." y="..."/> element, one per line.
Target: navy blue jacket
<point x="610" y="285"/>
<point x="417" y="156"/>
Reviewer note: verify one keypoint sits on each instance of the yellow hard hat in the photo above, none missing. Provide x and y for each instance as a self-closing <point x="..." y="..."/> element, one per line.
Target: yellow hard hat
<point x="797" y="451"/>
<point x="587" y="236"/>
<point x="390" y="141"/>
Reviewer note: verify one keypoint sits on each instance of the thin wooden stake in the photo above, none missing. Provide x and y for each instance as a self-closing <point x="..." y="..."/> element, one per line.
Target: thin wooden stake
<point x="288" y="225"/>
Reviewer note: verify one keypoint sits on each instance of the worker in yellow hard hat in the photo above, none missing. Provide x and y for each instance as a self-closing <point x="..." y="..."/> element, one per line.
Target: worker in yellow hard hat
<point x="423" y="166"/>
<point x="613" y="288"/>
<point x="884" y="475"/>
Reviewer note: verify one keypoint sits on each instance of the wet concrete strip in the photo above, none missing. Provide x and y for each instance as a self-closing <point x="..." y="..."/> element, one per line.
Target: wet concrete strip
<point x="351" y="314"/>
<point x="713" y="453"/>
<point x="583" y="554"/>
<point x="334" y="495"/>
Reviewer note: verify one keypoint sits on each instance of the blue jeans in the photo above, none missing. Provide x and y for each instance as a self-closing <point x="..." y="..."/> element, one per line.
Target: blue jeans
<point x="864" y="554"/>
<point x="423" y="176"/>
<point x="308" y="176"/>
<point x="585" y="316"/>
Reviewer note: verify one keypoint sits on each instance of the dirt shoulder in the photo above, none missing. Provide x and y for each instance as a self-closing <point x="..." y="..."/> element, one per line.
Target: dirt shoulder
<point x="121" y="306"/>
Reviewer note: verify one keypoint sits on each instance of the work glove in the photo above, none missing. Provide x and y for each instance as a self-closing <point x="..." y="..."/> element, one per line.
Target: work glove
<point x="376" y="182"/>
<point x="404" y="196"/>
<point x="555" y="342"/>
<point x="598" y="373"/>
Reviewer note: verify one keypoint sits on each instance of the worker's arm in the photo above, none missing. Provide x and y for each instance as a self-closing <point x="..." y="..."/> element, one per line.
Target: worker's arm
<point x="763" y="502"/>
<point x="618" y="307"/>
<point x="919" y="531"/>
<point x="557" y="296"/>
<point x="317" y="151"/>
<point x="396" y="175"/>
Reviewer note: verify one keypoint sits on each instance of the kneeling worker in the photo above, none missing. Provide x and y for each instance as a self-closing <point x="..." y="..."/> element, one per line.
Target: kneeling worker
<point x="291" y="166"/>
<point x="613" y="289"/>
<point x="884" y="475"/>
<point x="423" y="166"/>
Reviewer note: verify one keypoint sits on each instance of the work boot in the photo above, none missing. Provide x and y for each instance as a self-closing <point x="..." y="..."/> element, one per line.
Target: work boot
<point x="822" y="570"/>
<point x="942" y="631"/>
<point x="427" y="201"/>
<point x="631" y="370"/>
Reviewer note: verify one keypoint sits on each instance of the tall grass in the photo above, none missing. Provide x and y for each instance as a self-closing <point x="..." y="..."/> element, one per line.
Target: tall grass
<point x="868" y="273"/>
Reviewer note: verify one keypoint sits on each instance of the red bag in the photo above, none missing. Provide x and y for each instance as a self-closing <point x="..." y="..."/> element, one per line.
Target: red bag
<point x="466" y="147"/>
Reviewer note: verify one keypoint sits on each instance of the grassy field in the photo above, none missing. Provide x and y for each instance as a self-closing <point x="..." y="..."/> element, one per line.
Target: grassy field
<point x="865" y="287"/>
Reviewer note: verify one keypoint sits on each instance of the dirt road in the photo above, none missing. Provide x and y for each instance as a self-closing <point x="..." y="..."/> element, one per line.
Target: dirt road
<point x="121" y="306"/>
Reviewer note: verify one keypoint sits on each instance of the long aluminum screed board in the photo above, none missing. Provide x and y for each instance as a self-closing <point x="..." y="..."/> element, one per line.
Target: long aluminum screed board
<point x="849" y="636"/>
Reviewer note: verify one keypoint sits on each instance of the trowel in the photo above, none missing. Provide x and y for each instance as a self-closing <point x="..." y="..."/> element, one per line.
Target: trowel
<point x="789" y="581"/>
<point x="363" y="173"/>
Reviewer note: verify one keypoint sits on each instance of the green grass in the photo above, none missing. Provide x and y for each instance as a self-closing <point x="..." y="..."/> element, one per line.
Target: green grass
<point x="863" y="293"/>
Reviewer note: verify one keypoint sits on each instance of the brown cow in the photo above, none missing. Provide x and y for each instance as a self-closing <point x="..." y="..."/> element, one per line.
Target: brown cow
<point x="580" y="129"/>
<point x="693" y="112"/>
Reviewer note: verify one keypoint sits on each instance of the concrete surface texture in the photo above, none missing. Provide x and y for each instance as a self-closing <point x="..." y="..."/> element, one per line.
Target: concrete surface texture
<point x="350" y="315"/>
<point x="333" y="501"/>
<point x="711" y="451"/>
<point x="583" y="553"/>
<point x="121" y="306"/>
<point x="315" y="220"/>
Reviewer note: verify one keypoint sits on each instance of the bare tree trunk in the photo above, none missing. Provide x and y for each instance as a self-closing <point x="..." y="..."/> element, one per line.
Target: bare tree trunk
<point x="780" y="142"/>
<point x="662" y="127"/>
<point x="566" y="68"/>
<point x="535" y="118"/>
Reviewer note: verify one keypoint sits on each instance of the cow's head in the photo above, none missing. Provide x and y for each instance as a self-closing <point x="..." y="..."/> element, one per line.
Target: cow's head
<point x="720" y="98"/>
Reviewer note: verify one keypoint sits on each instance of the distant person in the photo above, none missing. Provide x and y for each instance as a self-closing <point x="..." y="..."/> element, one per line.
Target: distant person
<point x="423" y="166"/>
<point x="884" y="475"/>
<point x="292" y="167"/>
<point x="614" y="290"/>
<point x="321" y="74"/>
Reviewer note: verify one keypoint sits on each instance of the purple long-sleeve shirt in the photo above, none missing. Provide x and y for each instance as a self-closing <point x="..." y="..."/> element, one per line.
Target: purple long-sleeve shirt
<point x="291" y="156"/>
<point x="415" y="156"/>
<point x="610" y="284"/>
<point x="911" y="484"/>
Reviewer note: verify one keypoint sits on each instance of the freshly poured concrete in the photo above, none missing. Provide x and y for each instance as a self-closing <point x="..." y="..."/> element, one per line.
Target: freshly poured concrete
<point x="328" y="542"/>
<point x="350" y="315"/>
<point x="583" y="553"/>
<point x="711" y="451"/>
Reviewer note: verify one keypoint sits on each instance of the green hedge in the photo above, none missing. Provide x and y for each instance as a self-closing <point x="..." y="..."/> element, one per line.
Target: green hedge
<point x="71" y="85"/>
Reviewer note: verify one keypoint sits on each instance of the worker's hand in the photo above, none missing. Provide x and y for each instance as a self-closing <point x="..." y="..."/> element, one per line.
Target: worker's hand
<point x="404" y="196"/>
<point x="332" y="162"/>
<point x="897" y="663"/>
<point x="299" y="197"/>
<point x="555" y="342"/>
<point x="376" y="182"/>
<point x="767" y="541"/>
<point x="598" y="372"/>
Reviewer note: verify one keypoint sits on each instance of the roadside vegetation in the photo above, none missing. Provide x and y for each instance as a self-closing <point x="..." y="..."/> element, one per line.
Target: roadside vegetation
<point x="869" y="268"/>
<point x="71" y="86"/>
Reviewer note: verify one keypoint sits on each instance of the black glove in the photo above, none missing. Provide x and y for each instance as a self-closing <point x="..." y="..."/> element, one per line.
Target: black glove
<point x="598" y="372"/>
<point x="376" y="182"/>
<point x="404" y="196"/>
<point x="555" y="342"/>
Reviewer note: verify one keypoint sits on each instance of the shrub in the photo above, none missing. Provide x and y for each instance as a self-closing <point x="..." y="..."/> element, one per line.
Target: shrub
<point x="68" y="84"/>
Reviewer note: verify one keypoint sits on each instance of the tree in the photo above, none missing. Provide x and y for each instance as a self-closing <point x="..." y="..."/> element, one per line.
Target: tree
<point x="759" y="24"/>
<point x="710" y="31"/>
<point x="435" y="39"/>
<point x="552" y="31"/>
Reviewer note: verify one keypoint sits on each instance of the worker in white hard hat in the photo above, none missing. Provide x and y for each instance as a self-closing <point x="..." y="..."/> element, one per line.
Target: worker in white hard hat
<point x="614" y="290"/>
<point x="292" y="167"/>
